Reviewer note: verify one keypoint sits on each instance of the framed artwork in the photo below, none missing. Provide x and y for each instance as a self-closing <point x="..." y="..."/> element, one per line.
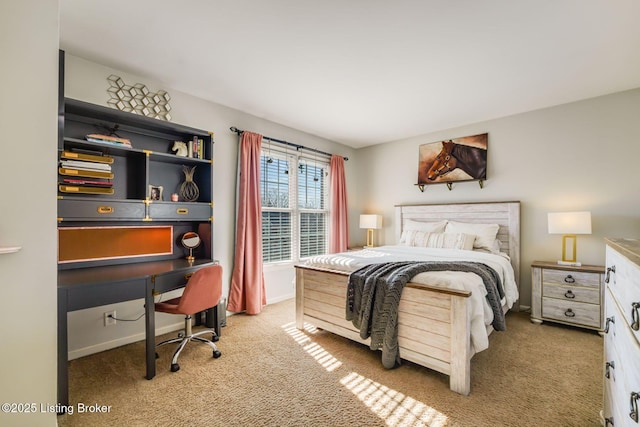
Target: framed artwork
<point x="155" y="192"/>
<point x="453" y="160"/>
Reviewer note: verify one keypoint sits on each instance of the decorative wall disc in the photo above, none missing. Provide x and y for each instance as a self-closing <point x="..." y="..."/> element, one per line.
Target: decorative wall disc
<point x="137" y="99"/>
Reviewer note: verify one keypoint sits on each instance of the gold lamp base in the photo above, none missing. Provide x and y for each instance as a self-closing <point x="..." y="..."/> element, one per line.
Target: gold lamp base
<point x="369" y="238"/>
<point x="569" y="259"/>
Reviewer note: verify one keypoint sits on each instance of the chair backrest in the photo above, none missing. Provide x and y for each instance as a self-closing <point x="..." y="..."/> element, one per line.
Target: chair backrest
<point x="203" y="290"/>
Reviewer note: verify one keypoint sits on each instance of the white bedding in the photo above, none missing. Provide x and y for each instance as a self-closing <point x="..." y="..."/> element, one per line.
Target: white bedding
<point x="480" y="314"/>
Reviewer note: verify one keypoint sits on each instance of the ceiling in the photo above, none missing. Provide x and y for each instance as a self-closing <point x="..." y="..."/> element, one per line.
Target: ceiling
<point x="363" y="72"/>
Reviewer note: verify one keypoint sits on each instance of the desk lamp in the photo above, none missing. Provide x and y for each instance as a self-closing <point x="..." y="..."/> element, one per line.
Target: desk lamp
<point x="569" y="224"/>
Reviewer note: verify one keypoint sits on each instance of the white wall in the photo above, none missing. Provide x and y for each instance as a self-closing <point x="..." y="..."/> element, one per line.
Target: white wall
<point x="578" y="156"/>
<point x="28" y="124"/>
<point x="87" y="81"/>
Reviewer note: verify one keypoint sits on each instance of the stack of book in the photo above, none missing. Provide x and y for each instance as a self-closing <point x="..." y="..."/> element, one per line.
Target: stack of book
<point x="106" y="139"/>
<point x="198" y="148"/>
<point x="85" y="172"/>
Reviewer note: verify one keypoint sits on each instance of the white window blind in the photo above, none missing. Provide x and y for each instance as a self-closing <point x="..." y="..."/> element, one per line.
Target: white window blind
<point x="294" y="191"/>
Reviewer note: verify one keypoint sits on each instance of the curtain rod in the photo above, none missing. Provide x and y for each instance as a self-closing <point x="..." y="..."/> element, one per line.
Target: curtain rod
<point x="290" y="144"/>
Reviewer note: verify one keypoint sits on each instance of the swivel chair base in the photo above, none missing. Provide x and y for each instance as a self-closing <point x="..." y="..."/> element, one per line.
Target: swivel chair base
<point x="186" y="336"/>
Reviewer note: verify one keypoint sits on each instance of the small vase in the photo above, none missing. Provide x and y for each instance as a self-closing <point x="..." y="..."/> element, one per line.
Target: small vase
<point x="188" y="189"/>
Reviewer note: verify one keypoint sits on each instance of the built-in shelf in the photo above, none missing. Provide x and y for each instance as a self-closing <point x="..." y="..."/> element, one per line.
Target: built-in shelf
<point x="9" y="250"/>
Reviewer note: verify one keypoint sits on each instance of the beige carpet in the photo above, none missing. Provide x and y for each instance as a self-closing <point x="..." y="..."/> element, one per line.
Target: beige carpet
<point x="271" y="374"/>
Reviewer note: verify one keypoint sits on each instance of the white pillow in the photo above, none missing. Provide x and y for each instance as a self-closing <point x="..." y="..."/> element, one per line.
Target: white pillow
<point x="426" y="239"/>
<point x="485" y="233"/>
<point x="433" y="227"/>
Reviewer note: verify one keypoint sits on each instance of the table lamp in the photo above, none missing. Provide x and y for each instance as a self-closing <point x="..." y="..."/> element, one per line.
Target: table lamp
<point x="370" y="222"/>
<point x="569" y="224"/>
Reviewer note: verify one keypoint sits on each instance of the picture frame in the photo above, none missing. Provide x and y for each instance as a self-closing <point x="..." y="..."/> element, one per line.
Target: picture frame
<point x="155" y="192"/>
<point x="453" y="160"/>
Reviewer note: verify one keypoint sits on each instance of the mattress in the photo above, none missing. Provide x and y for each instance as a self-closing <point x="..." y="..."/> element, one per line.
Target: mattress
<point x="480" y="313"/>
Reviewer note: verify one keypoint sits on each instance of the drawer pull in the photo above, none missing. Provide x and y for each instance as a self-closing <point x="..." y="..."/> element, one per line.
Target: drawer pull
<point x="569" y="294"/>
<point x="608" y="366"/>
<point x="606" y="325"/>
<point x="608" y="421"/>
<point x="569" y="279"/>
<point x="105" y="209"/>
<point x="633" y="402"/>
<point x="188" y="276"/>
<point x="569" y="313"/>
<point x="635" y="325"/>
<point x="610" y="270"/>
<point x="182" y="211"/>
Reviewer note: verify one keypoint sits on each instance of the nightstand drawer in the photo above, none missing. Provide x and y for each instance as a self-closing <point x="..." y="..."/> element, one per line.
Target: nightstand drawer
<point x="571" y="312"/>
<point x="571" y="293"/>
<point x="573" y="278"/>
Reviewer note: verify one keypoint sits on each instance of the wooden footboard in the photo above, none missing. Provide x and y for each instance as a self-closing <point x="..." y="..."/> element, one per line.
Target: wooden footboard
<point x="434" y="326"/>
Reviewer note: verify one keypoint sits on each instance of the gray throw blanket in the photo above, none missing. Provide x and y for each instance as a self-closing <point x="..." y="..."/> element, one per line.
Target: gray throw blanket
<point x="373" y="295"/>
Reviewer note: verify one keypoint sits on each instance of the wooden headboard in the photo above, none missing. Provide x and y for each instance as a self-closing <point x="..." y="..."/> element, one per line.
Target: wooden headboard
<point x="505" y="214"/>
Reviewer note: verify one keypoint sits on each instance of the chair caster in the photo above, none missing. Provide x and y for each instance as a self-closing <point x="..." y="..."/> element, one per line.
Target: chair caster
<point x="215" y="338"/>
<point x="175" y="367"/>
<point x="157" y="355"/>
<point x="216" y="354"/>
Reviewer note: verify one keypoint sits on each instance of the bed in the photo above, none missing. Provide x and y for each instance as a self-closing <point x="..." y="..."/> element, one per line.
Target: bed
<point x="438" y="317"/>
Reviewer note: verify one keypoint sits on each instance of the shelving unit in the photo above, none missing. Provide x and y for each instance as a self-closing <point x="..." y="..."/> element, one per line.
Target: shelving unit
<point x="122" y="195"/>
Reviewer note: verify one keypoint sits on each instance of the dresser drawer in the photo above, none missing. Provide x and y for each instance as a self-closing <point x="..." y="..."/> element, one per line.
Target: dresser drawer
<point x="624" y="284"/>
<point x="180" y="211"/>
<point x="572" y="278"/>
<point x="100" y="210"/>
<point x="571" y="312"/>
<point x="621" y="349"/>
<point x="571" y="293"/>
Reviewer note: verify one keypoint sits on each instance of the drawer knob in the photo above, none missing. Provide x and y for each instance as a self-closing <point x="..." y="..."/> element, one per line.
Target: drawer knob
<point x="105" y="209"/>
<point x="610" y="270"/>
<point x="608" y="421"/>
<point x="607" y="369"/>
<point x="569" y="313"/>
<point x="633" y="402"/>
<point x="606" y="325"/>
<point x="569" y="294"/>
<point x="188" y="276"/>
<point x="569" y="279"/>
<point x="635" y="318"/>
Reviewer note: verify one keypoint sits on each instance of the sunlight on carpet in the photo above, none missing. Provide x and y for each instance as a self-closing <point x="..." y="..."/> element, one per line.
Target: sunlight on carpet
<point x="395" y="408"/>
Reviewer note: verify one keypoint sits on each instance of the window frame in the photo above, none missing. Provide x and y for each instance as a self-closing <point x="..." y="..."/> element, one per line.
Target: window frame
<point x="294" y="160"/>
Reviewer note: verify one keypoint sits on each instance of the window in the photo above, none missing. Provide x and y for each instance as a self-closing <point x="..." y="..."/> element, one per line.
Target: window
<point x="293" y="190"/>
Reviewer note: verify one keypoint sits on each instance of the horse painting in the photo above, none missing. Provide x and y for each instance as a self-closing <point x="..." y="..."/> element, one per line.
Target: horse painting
<point x="462" y="159"/>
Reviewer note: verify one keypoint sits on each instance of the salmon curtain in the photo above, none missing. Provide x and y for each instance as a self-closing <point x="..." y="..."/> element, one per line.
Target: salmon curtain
<point x="247" y="291"/>
<point x="339" y="224"/>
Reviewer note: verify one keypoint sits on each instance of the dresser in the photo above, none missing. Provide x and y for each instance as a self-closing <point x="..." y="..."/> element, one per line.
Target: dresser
<point x="567" y="294"/>
<point x="622" y="333"/>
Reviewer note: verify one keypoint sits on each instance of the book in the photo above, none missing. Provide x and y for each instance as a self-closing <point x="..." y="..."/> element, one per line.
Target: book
<point x="85" y="190"/>
<point x="73" y="155"/>
<point x="78" y="164"/>
<point x="88" y="182"/>
<point x="85" y="173"/>
<point x="96" y="137"/>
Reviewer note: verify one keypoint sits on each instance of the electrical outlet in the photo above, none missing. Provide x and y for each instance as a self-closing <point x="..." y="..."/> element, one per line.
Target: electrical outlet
<point x="110" y="318"/>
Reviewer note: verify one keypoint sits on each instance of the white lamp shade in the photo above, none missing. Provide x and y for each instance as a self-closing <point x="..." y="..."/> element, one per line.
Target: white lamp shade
<point x="569" y="222"/>
<point x="371" y="221"/>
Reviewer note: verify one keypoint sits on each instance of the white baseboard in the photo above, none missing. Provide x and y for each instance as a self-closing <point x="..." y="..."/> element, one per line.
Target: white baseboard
<point x="108" y="345"/>
<point x="281" y="298"/>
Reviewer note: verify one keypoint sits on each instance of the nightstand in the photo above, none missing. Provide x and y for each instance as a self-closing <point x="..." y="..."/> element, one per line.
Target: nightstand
<point x="567" y="294"/>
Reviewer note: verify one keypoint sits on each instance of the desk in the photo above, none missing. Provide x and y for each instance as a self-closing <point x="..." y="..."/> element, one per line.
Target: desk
<point x="96" y="286"/>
